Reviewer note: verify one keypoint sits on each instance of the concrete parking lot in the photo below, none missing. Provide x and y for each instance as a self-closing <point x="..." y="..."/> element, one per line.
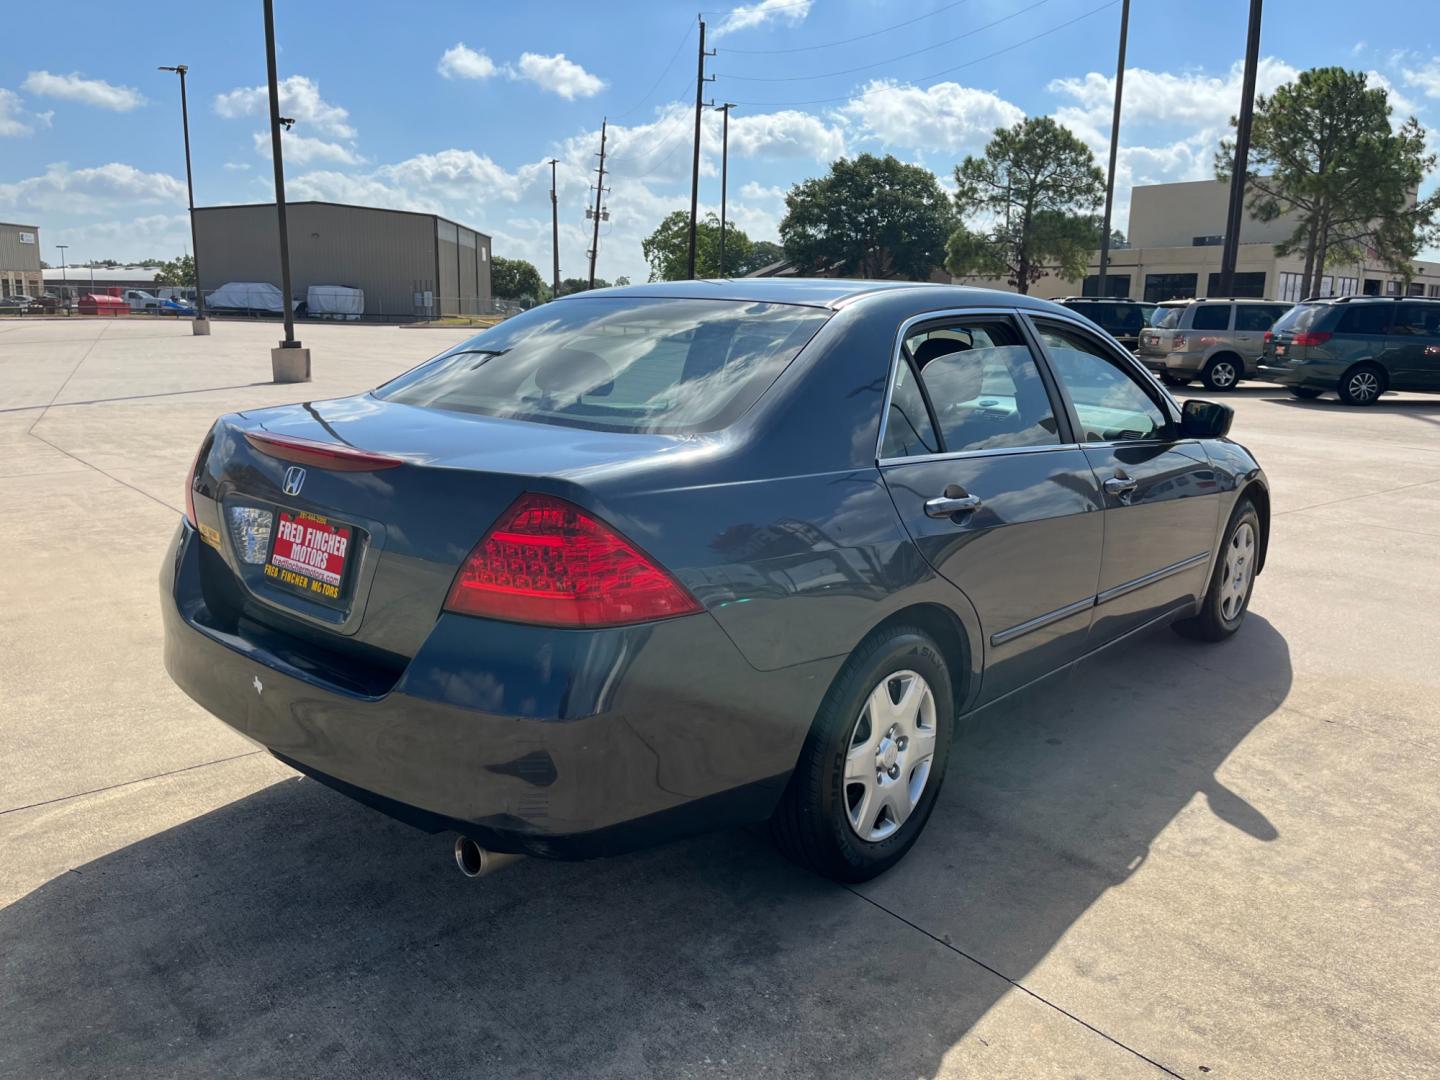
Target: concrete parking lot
<point x="1179" y="860"/>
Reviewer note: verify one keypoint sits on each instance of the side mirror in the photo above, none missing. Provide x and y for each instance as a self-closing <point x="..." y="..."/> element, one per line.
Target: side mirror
<point x="1205" y="419"/>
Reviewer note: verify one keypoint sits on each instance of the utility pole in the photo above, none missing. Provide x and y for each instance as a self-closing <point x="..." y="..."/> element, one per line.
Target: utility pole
<point x="288" y="363"/>
<point x="599" y="211"/>
<point x="554" y="233"/>
<point x="725" y="174"/>
<point x="1100" y="286"/>
<point x="200" y="325"/>
<point x="1238" y="173"/>
<point x="64" y="279"/>
<point x="700" y="81"/>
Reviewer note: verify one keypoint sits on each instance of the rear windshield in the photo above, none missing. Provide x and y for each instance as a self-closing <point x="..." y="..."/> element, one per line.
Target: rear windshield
<point x="618" y="364"/>
<point x="1299" y="318"/>
<point x="1167" y="318"/>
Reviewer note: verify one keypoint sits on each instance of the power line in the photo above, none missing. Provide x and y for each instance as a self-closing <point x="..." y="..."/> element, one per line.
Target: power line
<point x="849" y="40"/>
<point x="944" y="71"/>
<point x="889" y="60"/>
<point x="651" y="92"/>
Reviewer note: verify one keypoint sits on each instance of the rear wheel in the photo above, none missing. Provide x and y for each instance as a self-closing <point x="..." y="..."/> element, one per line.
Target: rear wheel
<point x="1362" y="385"/>
<point x="1305" y="393"/>
<point x="1221" y="373"/>
<point x="871" y="767"/>
<point x="1228" y="597"/>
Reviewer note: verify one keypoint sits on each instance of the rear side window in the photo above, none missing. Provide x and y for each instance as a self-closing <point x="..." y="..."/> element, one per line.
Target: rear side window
<point x="1364" y="319"/>
<point x="1299" y="318"/>
<point x="1211" y="317"/>
<point x="618" y="364"/>
<point x="984" y="385"/>
<point x="1254" y="317"/>
<point x="1167" y="317"/>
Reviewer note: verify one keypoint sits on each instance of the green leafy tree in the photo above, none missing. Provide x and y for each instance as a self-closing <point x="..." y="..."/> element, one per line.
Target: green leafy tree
<point x="1324" y="151"/>
<point x="1030" y="200"/>
<point x="574" y="284"/>
<point x="868" y="217"/>
<point x="516" y="279"/>
<point x="667" y="249"/>
<point x="763" y="253"/>
<point x="179" y="271"/>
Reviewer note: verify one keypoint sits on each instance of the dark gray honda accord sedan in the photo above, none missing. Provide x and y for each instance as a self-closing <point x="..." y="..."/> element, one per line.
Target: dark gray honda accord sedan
<point x="667" y="558"/>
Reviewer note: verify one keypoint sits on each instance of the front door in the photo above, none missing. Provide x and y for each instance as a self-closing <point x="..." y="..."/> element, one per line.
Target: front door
<point x="979" y="459"/>
<point x="1161" y="495"/>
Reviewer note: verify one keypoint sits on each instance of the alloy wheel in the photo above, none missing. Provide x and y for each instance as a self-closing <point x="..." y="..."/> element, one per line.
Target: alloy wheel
<point x="1364" y="386"/>
<point x="1223" y="375"/>
<point x="889" y="755"/>
<point x="1239" y="570"/>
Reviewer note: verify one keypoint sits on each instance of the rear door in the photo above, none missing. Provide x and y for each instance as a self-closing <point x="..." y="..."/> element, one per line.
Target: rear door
<point x="1161" y="498"/>
<point x="980" y="460"/>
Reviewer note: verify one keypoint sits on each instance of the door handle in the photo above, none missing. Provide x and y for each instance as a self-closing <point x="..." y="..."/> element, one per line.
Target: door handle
<point x="944" y="506"/>
<point x="1120" y="485"/>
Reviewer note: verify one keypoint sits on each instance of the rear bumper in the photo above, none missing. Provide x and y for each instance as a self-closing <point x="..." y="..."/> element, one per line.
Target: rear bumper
<point x="1300" y="373"/>
<point x="566" y="744"/>
<point x="1163" y="362"/>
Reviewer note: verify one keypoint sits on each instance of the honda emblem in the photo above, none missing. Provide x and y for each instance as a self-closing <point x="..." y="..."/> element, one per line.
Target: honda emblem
<point x="294" y="479"/>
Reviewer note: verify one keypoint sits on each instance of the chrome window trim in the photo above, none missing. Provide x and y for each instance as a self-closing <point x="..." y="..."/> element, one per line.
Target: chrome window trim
<point x="896" y="358"/>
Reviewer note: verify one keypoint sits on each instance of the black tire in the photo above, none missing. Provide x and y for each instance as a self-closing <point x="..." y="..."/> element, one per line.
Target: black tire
<point x="1222" y="373"/>
<point x="1212" y="623"/>
<point x="811" y="826"/>
<point x="1362" y="385"/>
<point x="1305" y="393"/>
<point x="1173" y="380"/>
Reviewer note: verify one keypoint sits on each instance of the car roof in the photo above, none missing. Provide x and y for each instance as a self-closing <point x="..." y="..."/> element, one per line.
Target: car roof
<point x="1370" y="300"/>
<point x="832" y="293"/>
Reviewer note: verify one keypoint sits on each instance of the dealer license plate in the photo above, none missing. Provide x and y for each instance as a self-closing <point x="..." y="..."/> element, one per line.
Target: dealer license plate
<point x="309" y="556"/>
<point x="1279" y="350"/>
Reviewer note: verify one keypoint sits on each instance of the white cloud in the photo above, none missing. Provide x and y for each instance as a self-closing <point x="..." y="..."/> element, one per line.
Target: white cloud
<point x="945" y="116"/>
<point x="759" y="192"/>
<point x="101" y="188"/>
<point x="237" y="166"/>
<point x="75" y="87"/>
<point x="1425" y="77"/>
<point x="302" y="149"/>
<point x="299" y="99"/>
<point x="558" y="75"/>
<point x="1403" y="107"/>
<point x="785" y="134"/>
<point x="10" y="122"/>
<point x="462" y="62"/>
<point x="751" y="15"/>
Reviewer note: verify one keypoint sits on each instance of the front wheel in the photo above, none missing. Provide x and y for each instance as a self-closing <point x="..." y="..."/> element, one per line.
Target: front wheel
<point x="871" y="767"/>
<point x="1228" y="597"/>
<point x="1221" y="373"/>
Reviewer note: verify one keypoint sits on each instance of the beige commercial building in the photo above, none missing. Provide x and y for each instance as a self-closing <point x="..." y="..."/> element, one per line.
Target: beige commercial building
<point x="407" y="264"/>
<point x="20" y="273"/>
<point x="1174" y="240"/>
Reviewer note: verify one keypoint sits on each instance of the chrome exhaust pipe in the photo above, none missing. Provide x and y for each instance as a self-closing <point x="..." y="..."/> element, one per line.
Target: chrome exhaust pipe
<point x="475" y="861"/>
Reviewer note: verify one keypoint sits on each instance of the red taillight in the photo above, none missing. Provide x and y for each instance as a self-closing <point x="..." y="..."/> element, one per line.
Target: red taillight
<point x="1269" y="337"/>
<point x="1311" y="337"/>
<point x="547" y="561"/>
<point x="334" y="456"/>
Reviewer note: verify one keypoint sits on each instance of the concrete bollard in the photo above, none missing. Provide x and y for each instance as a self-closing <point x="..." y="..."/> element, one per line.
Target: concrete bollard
<point x="290" y="365"/>
<point x="200" y="327"/>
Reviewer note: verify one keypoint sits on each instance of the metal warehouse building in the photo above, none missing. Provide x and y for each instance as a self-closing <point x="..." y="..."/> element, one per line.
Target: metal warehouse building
<point x="408" y="264"/>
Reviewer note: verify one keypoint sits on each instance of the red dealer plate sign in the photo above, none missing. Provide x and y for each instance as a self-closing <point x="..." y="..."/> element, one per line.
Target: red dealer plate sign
<point x="309" y="555"/>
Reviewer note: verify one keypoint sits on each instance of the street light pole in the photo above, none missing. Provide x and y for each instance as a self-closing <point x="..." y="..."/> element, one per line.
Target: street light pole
<point x="1236" y="213"/>
<point x="289" y="363"/>
<point x="554" y="234"/>
<point x="200" y="325"/>
<point x="1101" y="288"/>
<point x="724" y="175"/>
<point x="64" y="278"/>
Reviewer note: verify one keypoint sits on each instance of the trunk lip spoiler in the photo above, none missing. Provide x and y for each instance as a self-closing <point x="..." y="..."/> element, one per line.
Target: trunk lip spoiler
<point x="337" y="457"/>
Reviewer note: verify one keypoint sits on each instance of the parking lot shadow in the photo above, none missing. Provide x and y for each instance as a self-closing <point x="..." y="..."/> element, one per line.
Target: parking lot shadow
<point x="294" y="933"/>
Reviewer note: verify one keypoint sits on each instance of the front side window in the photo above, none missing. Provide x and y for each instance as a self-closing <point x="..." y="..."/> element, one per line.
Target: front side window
<point x="1111" y="405"/>
<point x="983" y="384"/>
<point x="1211" y="317"/>
<point x="630" y="364"/>
<point x="1416" y="320"/>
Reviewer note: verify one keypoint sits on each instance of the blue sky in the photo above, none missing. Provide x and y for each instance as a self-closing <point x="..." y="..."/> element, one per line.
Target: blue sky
<point x="456" y="106"/>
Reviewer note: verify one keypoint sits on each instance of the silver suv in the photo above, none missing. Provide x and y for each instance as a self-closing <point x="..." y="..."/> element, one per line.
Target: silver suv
<point x="1216" y="341"/>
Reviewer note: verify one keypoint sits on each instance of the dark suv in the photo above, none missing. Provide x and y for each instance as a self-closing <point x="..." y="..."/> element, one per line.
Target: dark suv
<point x="1359" y="347"/>
<point x="1122" y="319"/>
